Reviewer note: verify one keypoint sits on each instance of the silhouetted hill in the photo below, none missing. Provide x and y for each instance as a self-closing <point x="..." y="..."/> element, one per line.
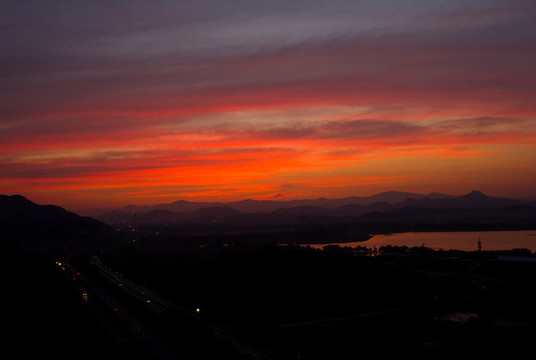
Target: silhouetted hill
<point x="215" y="211"/>
<point x="479" y="200"/>
<point x="130" y="213"/>
<point x="49" y="228"/>
<point x="134" y="209"/>
<point x="187" y="207"/>
<point x="391" y="197"/>
<point x="257" y="206"/>
<point x="16" y="204"/>
<point x="436" y="195"/>
<point x="357" y="210"/>
<point x="159" y="216"/>
<point x="390" y="206"/>
<point x="351" y="209"/>
<point x="473" y="200"/>
<point x="302" y="210"/>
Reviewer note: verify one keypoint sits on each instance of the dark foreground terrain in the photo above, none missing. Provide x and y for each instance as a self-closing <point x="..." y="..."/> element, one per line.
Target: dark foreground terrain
<point x="229" y="292"/>
<point x="298" y="302"/>
<point x="289" y="302"/>
<point x="42" y="317"/>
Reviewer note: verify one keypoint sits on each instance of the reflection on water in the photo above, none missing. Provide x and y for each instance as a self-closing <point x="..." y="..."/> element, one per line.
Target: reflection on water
<point x="463" y="240"/>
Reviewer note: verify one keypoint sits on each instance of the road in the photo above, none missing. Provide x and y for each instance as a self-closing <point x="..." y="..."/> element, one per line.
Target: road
<point x="121" y="325"/>
<point x="159" y="304"/>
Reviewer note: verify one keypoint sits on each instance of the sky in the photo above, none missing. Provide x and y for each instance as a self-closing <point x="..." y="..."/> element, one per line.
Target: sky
<point x="108" y="103"/>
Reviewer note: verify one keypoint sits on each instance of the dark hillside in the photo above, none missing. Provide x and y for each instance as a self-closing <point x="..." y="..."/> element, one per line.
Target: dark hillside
<point x="42" y="316"/>
<point x="48" y="228"/>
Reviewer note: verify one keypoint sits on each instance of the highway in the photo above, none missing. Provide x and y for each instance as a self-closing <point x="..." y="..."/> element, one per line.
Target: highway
<point x="121" y="325"/>
<point x="159" y="304"/>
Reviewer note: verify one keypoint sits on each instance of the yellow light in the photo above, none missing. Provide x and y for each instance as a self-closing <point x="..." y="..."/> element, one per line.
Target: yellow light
<point x="197" y="310"/>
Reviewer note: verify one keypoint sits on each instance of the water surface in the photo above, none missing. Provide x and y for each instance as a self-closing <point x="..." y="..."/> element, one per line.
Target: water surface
<point x="460" y="240"/>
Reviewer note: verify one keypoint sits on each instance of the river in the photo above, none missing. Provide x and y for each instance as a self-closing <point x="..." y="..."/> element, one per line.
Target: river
<point x="462" y="240"/>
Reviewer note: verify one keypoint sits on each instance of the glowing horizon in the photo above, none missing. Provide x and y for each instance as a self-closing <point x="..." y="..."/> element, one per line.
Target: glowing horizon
<point x="110" y="104"/>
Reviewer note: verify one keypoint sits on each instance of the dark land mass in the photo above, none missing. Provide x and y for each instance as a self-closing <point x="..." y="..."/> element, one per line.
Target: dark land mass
<point x="289" y="301"/>
<point x="263" y="206"/>
<point x="42" y="317"/>
<point x="325" y="220"/>
<point x="50" y="229"/>
<point x="45" y="316"/>
<point x="303" y="303"/>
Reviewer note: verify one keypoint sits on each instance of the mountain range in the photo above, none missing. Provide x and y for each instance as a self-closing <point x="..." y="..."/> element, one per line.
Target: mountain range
<point x="52" y="229"/>
<point x="386" y="206"/>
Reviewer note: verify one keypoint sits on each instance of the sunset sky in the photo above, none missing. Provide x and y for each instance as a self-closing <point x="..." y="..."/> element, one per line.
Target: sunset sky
<point x="106" y="103"/>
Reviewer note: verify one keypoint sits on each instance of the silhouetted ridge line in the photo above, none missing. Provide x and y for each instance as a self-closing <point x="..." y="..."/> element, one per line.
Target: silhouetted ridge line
<point x="388" y="206"/>
<point x="49" y="228"/>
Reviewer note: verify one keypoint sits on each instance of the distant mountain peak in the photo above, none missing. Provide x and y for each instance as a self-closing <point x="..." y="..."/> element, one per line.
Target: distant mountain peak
<point x="476" y="194"/>
<point x="215" y="211"/>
